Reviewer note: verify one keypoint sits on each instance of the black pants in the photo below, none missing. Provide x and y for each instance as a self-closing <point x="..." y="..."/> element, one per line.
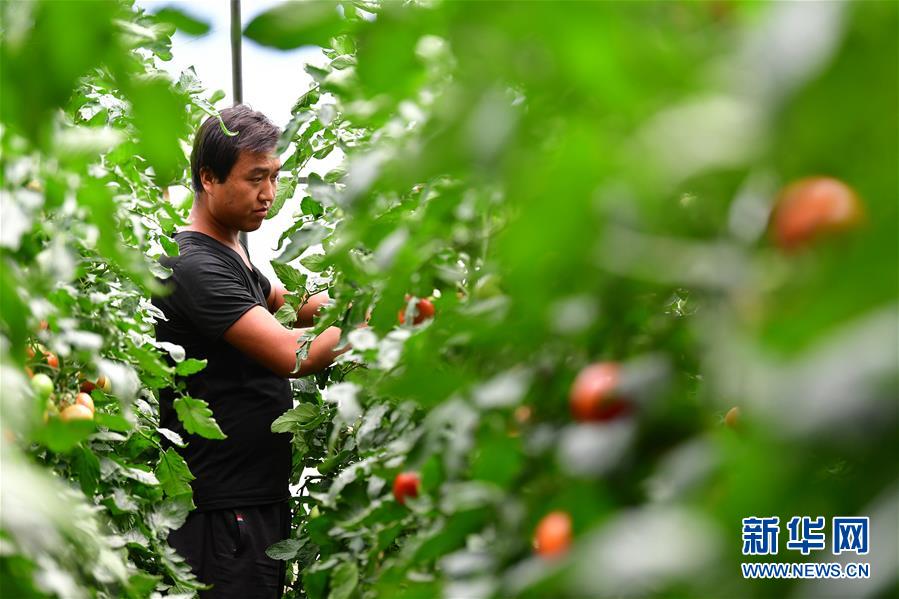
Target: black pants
<point x="226" y="548"/>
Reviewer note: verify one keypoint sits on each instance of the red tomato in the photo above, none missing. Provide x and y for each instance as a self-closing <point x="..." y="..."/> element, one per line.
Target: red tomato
<point x="553" y="534"/>
<point x="405" y="484"/>
<point x="424" y="310"/>
<point x="811" y="207"/>
<point x="593" y="396"/>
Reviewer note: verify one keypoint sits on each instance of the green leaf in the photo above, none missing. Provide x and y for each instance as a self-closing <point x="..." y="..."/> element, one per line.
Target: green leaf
<point x="286" y="189"/>
<point x="289" y="164"/>
<point x="138" y="472"/>
<point x="344" y="579"/>
<point x="342" y="62"/>
<point x="335" y="175"/>
<point x="498" y="459"/>
<point x="161" y="121"/>
<point x="114" y="422"/>
<point x="12" y="308"/>
<point x="184" y="22"/>
<point x="315" y="262"/>
<point x="142" y="584"/>
<point x="173" y="473"/>
<point x="310" y="234"/>
<point x="169" y="245"/>
<point x="297" y="419"/>
<point x="306" y="101"/>
<point x="311" y="207"/>
<point x="170" y="514"/>
<point x="290" y="132"/>
<point x="343" y="44"/>
<point x="286" y="549"/>
<point x="315" y="578"/>
<point x="87" y="466"/>
<point x="149" y="360"/>
<point x="323" y="152"/>
<point x="190" y="366"/>
<point x="322" y="192"/>
<point x="293" y="280"/>
<point x="172" y="436"/>
<point x="217" y="95"/>
<point x="318" y="74"/>
<point x="286" y="315"/>
<point x="196" y="417"/>
<point x="61" y="436"/>
<point x="296" y="24"/>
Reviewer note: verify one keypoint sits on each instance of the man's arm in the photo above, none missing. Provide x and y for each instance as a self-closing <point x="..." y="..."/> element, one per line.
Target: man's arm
<point x="261" y="337"/>
<point x="305" y="313"/>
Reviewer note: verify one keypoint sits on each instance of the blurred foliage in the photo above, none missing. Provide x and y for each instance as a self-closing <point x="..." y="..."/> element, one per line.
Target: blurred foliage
<point x="91" y="129"/>
<point x="581" y="183"/>
<point x="569" y="184"/>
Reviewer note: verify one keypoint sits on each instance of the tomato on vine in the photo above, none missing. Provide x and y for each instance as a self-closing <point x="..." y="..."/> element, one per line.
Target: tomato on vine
<point x="83" y="399"/>
<point x="76" y="412"/>
<point x="42" y="385"/>
<point x="595" y="394"/>
<point x="406" y="484"/>
<point x="553" y="534"/>
<point x="810" y="208"/>
<point x="424" y="310"/>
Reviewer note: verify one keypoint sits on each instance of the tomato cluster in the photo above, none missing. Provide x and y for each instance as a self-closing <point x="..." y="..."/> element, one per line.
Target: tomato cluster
<point x="70" y="406"/>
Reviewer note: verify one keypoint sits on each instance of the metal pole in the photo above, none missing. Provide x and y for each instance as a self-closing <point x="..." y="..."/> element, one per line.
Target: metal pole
<point x="237" y="80"/>
<point x="236" y="73"/>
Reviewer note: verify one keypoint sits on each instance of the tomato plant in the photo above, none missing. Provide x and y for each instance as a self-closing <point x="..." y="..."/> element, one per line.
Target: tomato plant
<point x="88" y="146"/>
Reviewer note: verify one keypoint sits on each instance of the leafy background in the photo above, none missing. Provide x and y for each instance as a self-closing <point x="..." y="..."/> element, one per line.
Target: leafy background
<point x="569" y="184"/>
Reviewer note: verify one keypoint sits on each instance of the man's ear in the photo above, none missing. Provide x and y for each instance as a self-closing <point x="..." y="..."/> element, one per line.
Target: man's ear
<point x="207" y="178"/>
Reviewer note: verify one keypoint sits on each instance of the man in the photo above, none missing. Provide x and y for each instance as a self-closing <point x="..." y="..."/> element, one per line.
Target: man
<point x="220" y="309"/>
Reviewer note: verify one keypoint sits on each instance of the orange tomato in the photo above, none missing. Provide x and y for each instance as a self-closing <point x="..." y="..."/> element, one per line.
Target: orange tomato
<point x="732" y="418"/>
<point x="553" y="534"/>
<point x="83" y="399"/>
<point x="76" y="412"/>
<point x="809" y="208"/>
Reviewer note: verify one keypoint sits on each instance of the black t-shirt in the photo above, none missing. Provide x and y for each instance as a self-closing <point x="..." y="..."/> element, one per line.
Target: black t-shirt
<point x="211" y="287"/>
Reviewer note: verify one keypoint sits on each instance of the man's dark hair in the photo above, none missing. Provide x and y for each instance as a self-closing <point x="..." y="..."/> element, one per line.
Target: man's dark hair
<point x="218" y="152"/>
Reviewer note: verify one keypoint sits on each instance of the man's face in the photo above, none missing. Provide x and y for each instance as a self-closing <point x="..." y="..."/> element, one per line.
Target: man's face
<point x="242" y="200"/>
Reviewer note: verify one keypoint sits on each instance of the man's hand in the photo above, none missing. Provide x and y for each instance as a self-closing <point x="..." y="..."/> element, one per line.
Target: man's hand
<point x="307" y="311"/>
<point x="261" y="337"/>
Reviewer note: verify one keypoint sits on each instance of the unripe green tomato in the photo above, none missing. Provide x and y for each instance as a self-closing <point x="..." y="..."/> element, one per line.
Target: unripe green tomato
<point x="42" y="385"/>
